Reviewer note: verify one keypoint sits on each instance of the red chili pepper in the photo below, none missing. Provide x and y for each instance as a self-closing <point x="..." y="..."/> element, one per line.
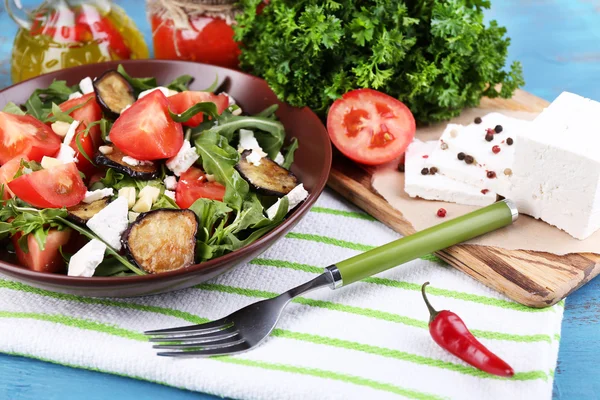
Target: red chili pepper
<point x="451" y="333"/>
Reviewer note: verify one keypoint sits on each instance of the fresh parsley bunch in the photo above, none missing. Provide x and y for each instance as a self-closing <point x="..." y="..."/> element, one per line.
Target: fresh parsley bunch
<point x="436" y="56"/>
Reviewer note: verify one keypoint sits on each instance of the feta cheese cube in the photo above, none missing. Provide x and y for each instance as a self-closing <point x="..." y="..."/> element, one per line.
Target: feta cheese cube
<point x="279" y="159"/>
<point x="110" y="223"/>
<point x="185" y="158"/>
<point x="255" y="156"/>
<point x="86" y="260"/>
<point x="49" y="162"/>
<point x="135" y="162"/>
<point x="75" y="95"/>
<point x="86" y="85"/>
<point x="296" y="196"/>
<point x="438" y="186"/>
<point x="170" y="182"/>
<point x="151" y="192"/>
<point x="166" y="91"/>
<point x="70" y="135"/>
<point x="60" y="128"/>
<point x="129" y="194"/>
<point x="66" y="154"/>
<point x="248" y="141"/>
<point x="556" y="174"/>
<point x="144" y="204"/>
<point x="98" y="194"/>
<point x="105" y="150"/>
<point x="170" y="194"/>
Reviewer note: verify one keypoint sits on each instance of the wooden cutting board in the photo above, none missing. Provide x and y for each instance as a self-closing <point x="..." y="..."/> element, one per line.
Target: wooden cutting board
<point x="531" y="278"/>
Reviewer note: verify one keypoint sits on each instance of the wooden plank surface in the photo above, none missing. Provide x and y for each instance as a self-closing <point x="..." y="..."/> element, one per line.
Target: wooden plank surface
<point x="535" y="279"/>
<point x="557" y="42"/>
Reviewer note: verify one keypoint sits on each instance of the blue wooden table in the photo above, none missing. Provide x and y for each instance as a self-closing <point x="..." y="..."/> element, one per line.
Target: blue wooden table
<point x="558" y="42"/>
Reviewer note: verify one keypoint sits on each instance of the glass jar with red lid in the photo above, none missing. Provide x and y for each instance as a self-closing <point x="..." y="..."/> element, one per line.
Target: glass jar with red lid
<point x="194" y="30"/>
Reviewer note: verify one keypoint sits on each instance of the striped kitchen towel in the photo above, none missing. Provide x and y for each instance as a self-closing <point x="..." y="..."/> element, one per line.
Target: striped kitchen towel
<point x="366" y="341"/>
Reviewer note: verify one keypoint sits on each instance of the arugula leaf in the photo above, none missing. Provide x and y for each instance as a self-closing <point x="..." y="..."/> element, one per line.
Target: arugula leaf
<point x="290" y="150"/>
<point x="214" y="86"/>
<point x="164" y="202"/>
<point x="140" y="84"/>
<point x="117" y="180"/>
<point x="209" y="108"/>
<point x="268" y="112"/>
<point x="40" y="102"/>
<point x="181" y="83"/>
<point x="12" y="108"/>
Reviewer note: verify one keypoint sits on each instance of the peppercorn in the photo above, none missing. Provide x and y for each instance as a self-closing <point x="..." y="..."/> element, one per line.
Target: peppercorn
<point x="469" y="159"/>
<point x="461" y="156"/>
<point x="485" y="191"/>
<point x="478" y="120"/>
<point x="489" y="137"/>
<point x="433" y="171"/>
<point x="491" y="174"/>
<point x="489" y="131"/>
<point x="401" y="167"/>
<point x="425" y="171"/>
<point x="508" y="172"/>
<point x="509" y="141"/>
<point x="498" y="128"/>
<point x="444" y="146"/>
<point x="441" y="213"/>
<point x="496" y="149"/>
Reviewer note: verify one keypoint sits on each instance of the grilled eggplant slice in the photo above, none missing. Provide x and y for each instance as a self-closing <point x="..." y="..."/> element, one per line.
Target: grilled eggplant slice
<point x="268" y="178"/>
<point x="162" y="240"/>
<point x="82" y="213"/>
<point x="113" y="92"/>
<point x="114" y="159"/>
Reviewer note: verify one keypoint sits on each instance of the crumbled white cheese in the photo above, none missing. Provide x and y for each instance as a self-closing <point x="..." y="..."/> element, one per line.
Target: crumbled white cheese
<point x="185" y="158"/>
<point x="98" y="194"/>
<point x="86" y="260"/>
<point x="150" y="192"/>
<point x="248" y="141"/>
<point x="135" y="162"/>
<point x="231" y="101"/>
<point x="49" y="162"/>
<point x="144" y="204"/>
<point x="105" y="149"/>
<point x="170" y="194"/>
<point x="438" y="186"/>
<point x="110" y="223"/>
<point x="170" y="182"/>
<point x="70" y="135"/>
<point x="129" y="194"/>
<point x="86" y="85"/>
<point x="166" y="91"/>
<point x="66" y="154"/>
<point x="107" y="138"/>
<point x="60" y="128"/>
<point x="75" y="95"/>
<point x="279" y="159"/>
<point x="133" y="216"/>
<point x="296" y="196"/>
<point x="255" y="156"/>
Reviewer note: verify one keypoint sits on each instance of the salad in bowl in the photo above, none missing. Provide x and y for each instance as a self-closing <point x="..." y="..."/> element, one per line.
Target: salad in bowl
<point x="119" y="176"/>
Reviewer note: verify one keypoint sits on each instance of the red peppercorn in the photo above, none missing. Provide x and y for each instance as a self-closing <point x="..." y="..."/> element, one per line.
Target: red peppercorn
<point x="425" y="156"/>
<point x="490" y="131"/>
<point x="491" y="174"/>
<point x="485" y="191"/>
<point x="441" y="213"/>
<point x="496" y="149"/>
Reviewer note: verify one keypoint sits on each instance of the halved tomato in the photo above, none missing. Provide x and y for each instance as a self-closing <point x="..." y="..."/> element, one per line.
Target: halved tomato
<point x="7" y="173"/>
<point x="193" y="185"/>
<point x="146" y="131"/>
<point x="370" y="127"/>
<point x="184" y="100"/>
<point x="56" y="187"/>
<point x="88" y="146"/>
<point x="23" y="135"/>
<point x="47" y="260"/>
<point x="90" y="112"/>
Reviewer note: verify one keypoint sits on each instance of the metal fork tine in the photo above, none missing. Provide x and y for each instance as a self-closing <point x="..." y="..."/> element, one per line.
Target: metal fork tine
<point x="202" y="338"/>
<point x="212" y="345"/>
<point x="208" y="327"/>
<point x="238" y="348"/>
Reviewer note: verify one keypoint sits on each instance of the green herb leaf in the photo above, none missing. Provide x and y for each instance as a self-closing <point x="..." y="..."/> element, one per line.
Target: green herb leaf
<point x="289" y="153"/>
<point x="181" y="83"/>
<point x="214" y="86"/>
<point x="12" y="108"/>
<point x="208" y="108"/>
<point x="140" y="84"/>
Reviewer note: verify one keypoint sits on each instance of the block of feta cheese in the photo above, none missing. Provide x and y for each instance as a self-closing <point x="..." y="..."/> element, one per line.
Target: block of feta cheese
<point x="86" y="260"/>
<point x="70" y="135"/>
<point x="75" y="95"/>
<point x="86" y="85"/>
<point x="185" y="158"/>
<point x="98" y="194"/>
<point x="484" y="163"/>
<point x="66" y="154"/>
<point x="556" y="174"/>
<point x="110" y="223"/>
<point x="170" y="182"/>
<point x="437" y="186"/>
<point x="296" y="196"/>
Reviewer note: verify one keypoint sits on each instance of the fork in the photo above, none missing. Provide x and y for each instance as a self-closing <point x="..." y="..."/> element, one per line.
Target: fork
<point x="249" y="326"/>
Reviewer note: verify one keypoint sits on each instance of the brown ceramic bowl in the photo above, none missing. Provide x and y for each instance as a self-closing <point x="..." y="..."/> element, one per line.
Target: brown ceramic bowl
<point x="312" y="165"/>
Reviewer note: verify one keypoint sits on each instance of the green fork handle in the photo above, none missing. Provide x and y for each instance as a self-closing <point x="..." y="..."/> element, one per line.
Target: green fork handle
<point x="444" y="235"/>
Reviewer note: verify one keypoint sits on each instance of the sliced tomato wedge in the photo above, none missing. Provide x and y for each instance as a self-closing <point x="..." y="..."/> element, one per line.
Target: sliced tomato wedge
<point x="47" y="260"/>
<point x="56" y="187"/>
<point x="193" y="185"/>
<point x="184" y="100"/>
<point x="7" y="173"/>
<point x="25" y="136"/>
<point x="90" y="112"/>
<point x="145" y="130"/>
<point x="370" y="127"/>
<point x="88" y="146"/>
